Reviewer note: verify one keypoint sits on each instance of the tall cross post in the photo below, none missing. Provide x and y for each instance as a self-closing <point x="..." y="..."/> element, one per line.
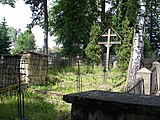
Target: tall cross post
<point x="108" y="44"/>
<point x="108" y="48"/>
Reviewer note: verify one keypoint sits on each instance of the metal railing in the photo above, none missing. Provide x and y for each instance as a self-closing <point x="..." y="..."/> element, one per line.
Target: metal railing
<point x="10" y="78"/>
<point x="138" y="87"/>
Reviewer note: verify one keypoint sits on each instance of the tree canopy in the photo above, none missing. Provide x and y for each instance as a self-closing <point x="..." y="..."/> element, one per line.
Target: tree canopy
<point x="39" y="10"/>
<point x="153" y="23"/>
<point x="9" y="2"/>
<point x="25" y="42"/>
<point x="93" y="49"/>
<point x="70" y="21"/>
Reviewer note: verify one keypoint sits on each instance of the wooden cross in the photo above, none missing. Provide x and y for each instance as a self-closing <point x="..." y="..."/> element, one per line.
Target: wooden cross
<point x="109" y="43"/>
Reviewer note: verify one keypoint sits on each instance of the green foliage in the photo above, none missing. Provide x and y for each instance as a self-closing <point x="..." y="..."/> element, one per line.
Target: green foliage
<point x="123" y="51"/>
<point x="41" y="106"/>
<point x="12" y="33"/>
<point x="66" y="82"/>
<point x="119" y="11"/>
<point x="37" y="107"/>
<point x="26" y="42"/>
<point x="115" y="76"/>
<point x="70" y="21"/>
<point x="4" y="38"/>
<point x="131" y="12"/>
<point x="123" y="19"/>
<point x="153" y="23"/>
<point x="9" y="2"/>
<point x="147" y="47"/>
<point x="92" y="49"/>
<point x="37" y="9"/>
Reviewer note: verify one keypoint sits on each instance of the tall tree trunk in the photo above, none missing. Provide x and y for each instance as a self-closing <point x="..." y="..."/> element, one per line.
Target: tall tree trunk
<point x="45" y="28"/>
<point x="45" y="49"/>
<point x="102" y="15"/>
<point x="138" y="45"/>
<point x="103" y="48"/>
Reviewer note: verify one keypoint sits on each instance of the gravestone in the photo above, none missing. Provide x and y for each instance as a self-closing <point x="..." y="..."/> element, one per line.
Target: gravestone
<point x="102" y="105"/>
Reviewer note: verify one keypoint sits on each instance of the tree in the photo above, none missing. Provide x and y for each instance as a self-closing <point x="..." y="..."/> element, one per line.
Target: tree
<point x="4" y="38"/>
<point x="123" y="51"/>
<point x="93" y="49"/>
<point x="152" y="26"/>
<point x="121" y="16"/>
<point x="12" y="33"/>
<point x="25" y="42"/>
<point x="103" y="15"/>
<point x="71" y="21"/>
<point x="138" y="45"/>
<point x="40" y="17"/>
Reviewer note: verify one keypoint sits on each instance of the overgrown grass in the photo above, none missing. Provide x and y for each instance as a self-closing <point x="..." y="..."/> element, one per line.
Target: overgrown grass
<point x="51" y="107"/>
<point x="37" y="107"/>
<point x="65" y="81"/>
<point x="114" y="76"/>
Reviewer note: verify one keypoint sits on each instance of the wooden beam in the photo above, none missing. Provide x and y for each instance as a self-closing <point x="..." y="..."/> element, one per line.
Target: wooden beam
<point x="115" y="42"/>
<point x="108" y="49"/>
<point x="112" y="35"/>
<point x="10" y="87"/>
<point x="112" y="43"/>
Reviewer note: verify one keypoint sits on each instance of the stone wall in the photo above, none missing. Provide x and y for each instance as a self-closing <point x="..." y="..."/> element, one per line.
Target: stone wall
<point x="34" y="66"/>
<point x="9" y="69"/>
<point x="102" y="105"/>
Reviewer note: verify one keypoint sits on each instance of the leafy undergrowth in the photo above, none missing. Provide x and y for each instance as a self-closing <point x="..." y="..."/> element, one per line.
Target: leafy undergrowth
<point x="45" y="102"/>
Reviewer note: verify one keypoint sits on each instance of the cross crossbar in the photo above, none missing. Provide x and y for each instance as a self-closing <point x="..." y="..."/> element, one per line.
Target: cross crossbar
<point x="112" y="35"/>
<point x="105" y="43"/>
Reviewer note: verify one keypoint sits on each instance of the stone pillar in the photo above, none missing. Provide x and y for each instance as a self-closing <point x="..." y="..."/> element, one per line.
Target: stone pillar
<point x="157" y="65"/>
<point x="114" y="64"/>
<point x="145" y="74"/>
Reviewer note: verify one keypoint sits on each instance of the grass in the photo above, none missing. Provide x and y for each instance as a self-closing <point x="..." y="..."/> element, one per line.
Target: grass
<point x="51" y="107"/>
<point x="37" y="107"/>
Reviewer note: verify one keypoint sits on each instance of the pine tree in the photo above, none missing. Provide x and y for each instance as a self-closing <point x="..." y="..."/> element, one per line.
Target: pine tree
<point x="152" y="26"/>
<point x="4" y="38"/>
<point x="93" y="49"/>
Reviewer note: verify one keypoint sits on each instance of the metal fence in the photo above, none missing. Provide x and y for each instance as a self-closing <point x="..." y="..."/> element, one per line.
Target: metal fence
<point x="10" y="78"/>
<point x="9" y="70"/>
<point x="138" y="87"/>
